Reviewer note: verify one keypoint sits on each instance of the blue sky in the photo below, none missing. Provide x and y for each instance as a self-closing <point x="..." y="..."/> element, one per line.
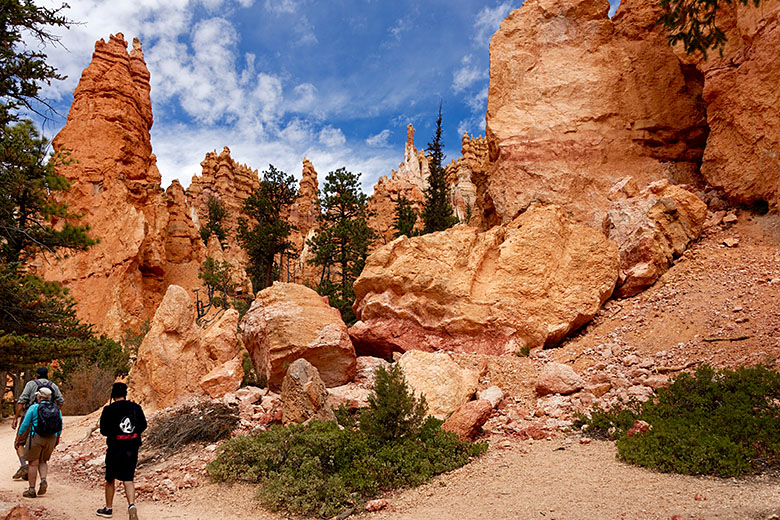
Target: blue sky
<point x="336" y="81"/>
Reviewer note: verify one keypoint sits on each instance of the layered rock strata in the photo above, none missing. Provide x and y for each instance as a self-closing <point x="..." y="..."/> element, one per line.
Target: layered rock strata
<point x="178" y="359"/>
<point x="146" y="238"/>
<point x="528" y="283"/>
<point x="290" y="321"/>
<point x="578" y="101"/>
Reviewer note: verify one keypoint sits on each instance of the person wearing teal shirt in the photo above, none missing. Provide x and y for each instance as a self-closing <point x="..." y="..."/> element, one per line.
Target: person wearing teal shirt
<point x="38" y="447"/>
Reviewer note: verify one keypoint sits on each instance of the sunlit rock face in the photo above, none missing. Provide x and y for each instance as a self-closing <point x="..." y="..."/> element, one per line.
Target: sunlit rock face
<point x="741" y="91"/>
<point x="526" y="283"/>
<point x="179" y="359"/>
<point x="147" y="240"/>
<point x="408" y="181"/>
<point x="466" y="177"/>
<point x="578" y="101"/>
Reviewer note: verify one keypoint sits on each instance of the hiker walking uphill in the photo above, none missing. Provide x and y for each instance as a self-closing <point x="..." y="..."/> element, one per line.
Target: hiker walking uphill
<point x="27" y="399"/>
<point x="122" y="422"/>
<point x="39" y="434"/>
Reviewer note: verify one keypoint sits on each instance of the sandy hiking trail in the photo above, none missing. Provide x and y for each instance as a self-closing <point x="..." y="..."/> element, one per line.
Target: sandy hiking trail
<point x="555" y="479"/>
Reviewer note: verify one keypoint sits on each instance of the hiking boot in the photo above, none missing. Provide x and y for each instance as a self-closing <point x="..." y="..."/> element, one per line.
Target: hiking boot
<point x="29" y="493"/>
<point x="43" y="487"/>
<point x="21" y="473"/>
<point x="105" y="512"/>
<point x="133" y="512"/>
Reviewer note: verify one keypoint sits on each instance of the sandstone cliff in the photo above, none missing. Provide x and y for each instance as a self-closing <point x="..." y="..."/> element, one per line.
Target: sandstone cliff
<point x="578" y="101"/>
<point x="741" y="91"/>
<point x="467" y="177"/>
<point x="146" y="238"/>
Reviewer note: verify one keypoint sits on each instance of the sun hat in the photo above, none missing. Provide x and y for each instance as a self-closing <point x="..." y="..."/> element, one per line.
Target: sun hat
<point x="44" y="392"/>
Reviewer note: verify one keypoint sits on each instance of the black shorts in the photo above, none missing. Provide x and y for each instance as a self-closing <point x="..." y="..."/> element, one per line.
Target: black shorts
<point x="121" y="462"/>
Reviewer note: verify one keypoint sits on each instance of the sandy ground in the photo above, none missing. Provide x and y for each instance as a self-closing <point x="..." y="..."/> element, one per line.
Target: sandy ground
<point x="556" y="479"/>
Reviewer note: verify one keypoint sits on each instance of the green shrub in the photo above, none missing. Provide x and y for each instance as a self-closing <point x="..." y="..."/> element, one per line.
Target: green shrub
<point x="322" y="468"/>
<point x="723" y="423"/>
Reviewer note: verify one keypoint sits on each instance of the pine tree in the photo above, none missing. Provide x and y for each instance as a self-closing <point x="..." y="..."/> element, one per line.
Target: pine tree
<point x="216" y="213"/>
<point x="342" y="240"/>
<point x="267" y="234"/>
<point x="437" y="213"/>
<point x="405" y="218"/>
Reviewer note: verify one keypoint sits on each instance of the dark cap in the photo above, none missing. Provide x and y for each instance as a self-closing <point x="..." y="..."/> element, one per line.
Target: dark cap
<point x="118" y="390"/>
<point x="42" y="372"/>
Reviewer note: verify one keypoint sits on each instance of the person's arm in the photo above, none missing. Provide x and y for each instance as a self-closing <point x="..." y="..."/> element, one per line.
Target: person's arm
<point x="141" y="420"/>
<point x="26" y="426"/>
<point x="104" y="422"/>
<point x="57" y="395"/>
<point x="59" y="433"/>
<point x="25" y="399"/>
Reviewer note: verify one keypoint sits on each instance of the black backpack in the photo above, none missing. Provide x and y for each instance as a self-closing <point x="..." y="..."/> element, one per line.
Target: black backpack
<point x="49" y="419"/>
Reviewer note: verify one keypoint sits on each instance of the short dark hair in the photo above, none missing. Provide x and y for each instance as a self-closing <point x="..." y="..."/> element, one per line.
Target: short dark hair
<point x="118" y="390"/>
<point x="41" y="372"/>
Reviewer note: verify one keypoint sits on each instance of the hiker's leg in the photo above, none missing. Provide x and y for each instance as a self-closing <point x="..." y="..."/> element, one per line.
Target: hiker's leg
<point x="20" y="453"/>
<point x="43" y="469"/>
<point x="110" y="487"/>
<point x="130" y="492"/>
<point x="32" y="475"/>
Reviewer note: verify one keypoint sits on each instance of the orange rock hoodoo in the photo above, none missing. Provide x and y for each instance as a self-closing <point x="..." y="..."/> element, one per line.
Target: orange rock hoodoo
<point x="147" y="241"/>
<point x="409" y="181"/>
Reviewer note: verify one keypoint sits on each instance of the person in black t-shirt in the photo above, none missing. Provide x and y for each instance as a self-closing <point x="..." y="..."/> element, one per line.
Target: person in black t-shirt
<point x="122" y="422"/>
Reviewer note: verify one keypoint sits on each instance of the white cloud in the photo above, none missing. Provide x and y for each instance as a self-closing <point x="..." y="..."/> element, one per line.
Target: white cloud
<point x="468" y="74"/>
<point x="332" y="137"/>
<point x="379" y="139"/>
<point x="281" y="6"/>
<point x="489" y="19"/>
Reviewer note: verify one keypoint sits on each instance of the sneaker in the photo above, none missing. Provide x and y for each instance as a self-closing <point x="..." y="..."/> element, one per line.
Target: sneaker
<point x="133" y="512"/>
<point x="29" y="493"/>
<point x="105" y="512"/>
<point x="21" y="473"/>
<point x="43" y="487"/>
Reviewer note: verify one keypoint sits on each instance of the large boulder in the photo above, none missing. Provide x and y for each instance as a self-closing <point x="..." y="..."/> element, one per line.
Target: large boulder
<point x="557" y="378"/>
<point x="741" y="91"/>
<point x="467" y="420"/>
<point x="177" y="359"/>
<point x="436" y="376"/>
<point x="527" y="283"/>
<point x="290" y="321"/>
<point x="651" y="230"/>
<point x="304" y="395"/>
<point x="577" y="101"/>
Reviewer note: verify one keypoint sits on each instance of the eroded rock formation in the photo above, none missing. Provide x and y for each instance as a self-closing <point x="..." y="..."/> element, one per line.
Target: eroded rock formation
<point x="409" y="181"/>
<point x="290" y="321"/>
<point x="527" y="283"/>
<point x="146" y="239"/>
<point x="578" y="101"/>
<point x="651" y="228"/>
<point x="467" y="176"/>
<point x="741" y="91"/>
<point x="178" y="359"/>
<point x="304" y="395"/>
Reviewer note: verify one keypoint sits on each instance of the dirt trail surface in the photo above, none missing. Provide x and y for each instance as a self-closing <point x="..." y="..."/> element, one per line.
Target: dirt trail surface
<point x="557" y="479"/>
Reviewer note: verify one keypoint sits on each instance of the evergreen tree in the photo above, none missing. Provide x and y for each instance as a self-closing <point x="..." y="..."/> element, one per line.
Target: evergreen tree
<point x="217" y="212"/>
<point x="437" y="213"/>
<point x="267" y="234"/>
<point x="217" y="276"/>
<point x="405" y="218"/>
<point x="692" y="22"/>
<point x="342" y="240"/>
<point x="23" y="70"/>
<point x="38" y="321"/>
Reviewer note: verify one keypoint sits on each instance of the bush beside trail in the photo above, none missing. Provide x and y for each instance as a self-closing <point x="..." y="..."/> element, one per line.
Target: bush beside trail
<point x="323" y="468"/>
<point x="723" y="423"/>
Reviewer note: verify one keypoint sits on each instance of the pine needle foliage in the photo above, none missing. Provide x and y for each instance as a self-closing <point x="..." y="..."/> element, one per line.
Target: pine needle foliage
<point x="264" y="235"/>
<point x="405" y="218"/>
<point x="215" y="224"/>
<point x="437" y="213"/>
